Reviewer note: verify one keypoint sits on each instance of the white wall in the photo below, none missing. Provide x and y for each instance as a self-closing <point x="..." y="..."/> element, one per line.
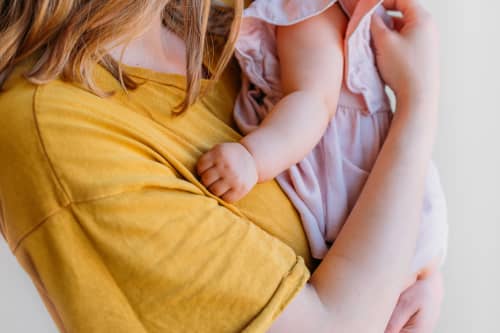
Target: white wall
<point x="467" y="153"/>
<point x="21" y="310"/>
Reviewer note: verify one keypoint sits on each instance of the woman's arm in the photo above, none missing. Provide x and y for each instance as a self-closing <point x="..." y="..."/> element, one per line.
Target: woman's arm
<point x="311" y="60"/>
<point x="362" y="276"/>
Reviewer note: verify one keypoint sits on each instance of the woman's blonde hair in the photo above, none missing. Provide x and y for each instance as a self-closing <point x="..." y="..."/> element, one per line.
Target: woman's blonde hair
<point x="68" y="37"/>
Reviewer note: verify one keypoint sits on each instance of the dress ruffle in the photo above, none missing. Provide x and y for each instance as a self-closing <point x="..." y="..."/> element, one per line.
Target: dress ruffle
<point x="256" y="47"/>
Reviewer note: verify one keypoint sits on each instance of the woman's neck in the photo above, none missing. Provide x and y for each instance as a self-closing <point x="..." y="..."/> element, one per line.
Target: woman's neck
<point x="157" y="49"/>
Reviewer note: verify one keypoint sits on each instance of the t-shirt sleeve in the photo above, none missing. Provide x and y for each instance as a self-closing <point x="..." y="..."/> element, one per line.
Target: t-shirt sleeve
<point x="160" y="260"/>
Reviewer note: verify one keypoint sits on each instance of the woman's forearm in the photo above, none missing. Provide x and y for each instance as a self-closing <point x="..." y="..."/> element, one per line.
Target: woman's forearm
<point x="358" y="283"/>
<point x="366" y="268"/>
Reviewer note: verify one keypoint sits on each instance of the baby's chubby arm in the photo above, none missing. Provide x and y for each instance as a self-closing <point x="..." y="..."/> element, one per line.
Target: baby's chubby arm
<point x="311" y="60"/>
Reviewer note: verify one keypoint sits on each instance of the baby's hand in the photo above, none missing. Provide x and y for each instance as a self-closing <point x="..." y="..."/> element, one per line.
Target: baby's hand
<point x="228" y="170"/>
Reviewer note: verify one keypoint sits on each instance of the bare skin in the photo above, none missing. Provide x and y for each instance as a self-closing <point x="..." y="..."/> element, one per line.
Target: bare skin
<point x="386" y="215"/>
<point x="309" y="75"/>
<point x="331" y="300"/>
<point x="156" y="48"/>
<point x="312" y="77"/>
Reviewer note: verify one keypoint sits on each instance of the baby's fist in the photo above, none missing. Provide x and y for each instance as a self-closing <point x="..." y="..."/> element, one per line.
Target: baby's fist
<point x="228" y="171"/>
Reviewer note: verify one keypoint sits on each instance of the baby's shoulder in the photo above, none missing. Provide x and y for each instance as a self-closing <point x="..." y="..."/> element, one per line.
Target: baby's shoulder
<point x="279" y="12"/>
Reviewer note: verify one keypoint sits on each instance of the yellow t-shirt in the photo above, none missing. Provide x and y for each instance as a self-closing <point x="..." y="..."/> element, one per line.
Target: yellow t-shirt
<point x="103" y="209"/>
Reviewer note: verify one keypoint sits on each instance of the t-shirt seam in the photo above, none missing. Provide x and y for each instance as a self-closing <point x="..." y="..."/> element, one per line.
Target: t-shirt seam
<point x="292" y="291"/>
<point x="25" y="235"/>
<point x="66" y="207"/>
<point x="66" y="190"/>
<point x="35" y="108"/>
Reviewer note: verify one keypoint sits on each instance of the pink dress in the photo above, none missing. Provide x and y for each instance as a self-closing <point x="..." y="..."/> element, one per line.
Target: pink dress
<point x="326" y="184"/>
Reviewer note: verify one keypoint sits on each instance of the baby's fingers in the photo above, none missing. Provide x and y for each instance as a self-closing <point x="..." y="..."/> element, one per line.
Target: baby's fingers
<point x="205" y="162"/>
<point x="232" y="196"/>
<point x="220" y="188"/>
<point x="210" y="176"/>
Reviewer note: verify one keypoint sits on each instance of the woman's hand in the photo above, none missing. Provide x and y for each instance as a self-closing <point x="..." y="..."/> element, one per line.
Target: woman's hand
<point x="337" y="296"/>
<point x="408" y="61"/>
<point x="408" y="57"/>
<point x="418" y="306"/>
<point x="228" y="171"/>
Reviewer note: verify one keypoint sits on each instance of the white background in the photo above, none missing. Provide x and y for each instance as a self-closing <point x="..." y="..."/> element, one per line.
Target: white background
<point x="467" y="154"/>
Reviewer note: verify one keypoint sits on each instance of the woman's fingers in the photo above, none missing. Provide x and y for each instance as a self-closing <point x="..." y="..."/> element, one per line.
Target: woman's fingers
<point x="379" y="28"/>
<point x="418" y="307"/>
<point x="382" y="36"/>
<point x="406" y="308"/>
<point x="411" y="10"/>
<point x="408" y="57"/>
<point x="398" y="23"/>
<point x="407" y="7"/>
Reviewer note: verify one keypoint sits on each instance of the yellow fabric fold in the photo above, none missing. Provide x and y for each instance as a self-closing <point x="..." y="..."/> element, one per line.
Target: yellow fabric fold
<point x="103" y="209"/>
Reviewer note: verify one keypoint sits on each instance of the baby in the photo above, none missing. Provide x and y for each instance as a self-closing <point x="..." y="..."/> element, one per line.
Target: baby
<point x="315" y="114"/>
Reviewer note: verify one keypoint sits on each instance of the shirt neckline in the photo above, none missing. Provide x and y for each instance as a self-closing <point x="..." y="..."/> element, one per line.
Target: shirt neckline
<point x="170" y="79"/>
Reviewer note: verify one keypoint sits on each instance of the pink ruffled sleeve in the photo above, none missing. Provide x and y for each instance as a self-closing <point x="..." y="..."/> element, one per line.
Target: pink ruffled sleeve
<point x="256" y="48"/>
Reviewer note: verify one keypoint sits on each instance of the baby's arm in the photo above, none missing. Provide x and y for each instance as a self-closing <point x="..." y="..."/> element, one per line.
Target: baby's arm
<point x="311" y="60"/>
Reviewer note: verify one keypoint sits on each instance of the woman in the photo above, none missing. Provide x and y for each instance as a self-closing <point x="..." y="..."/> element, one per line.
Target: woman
<point x="102" y="207"/>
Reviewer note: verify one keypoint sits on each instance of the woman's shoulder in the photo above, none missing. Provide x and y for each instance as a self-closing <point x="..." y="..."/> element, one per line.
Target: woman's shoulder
<point x="82" y="136"/>
<point x="68" y="146"/>
<point x="20" y="140"/>
<point x="61" y="144"/>
<point x="21" y="103"/>
<point x="29" y="188"/>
